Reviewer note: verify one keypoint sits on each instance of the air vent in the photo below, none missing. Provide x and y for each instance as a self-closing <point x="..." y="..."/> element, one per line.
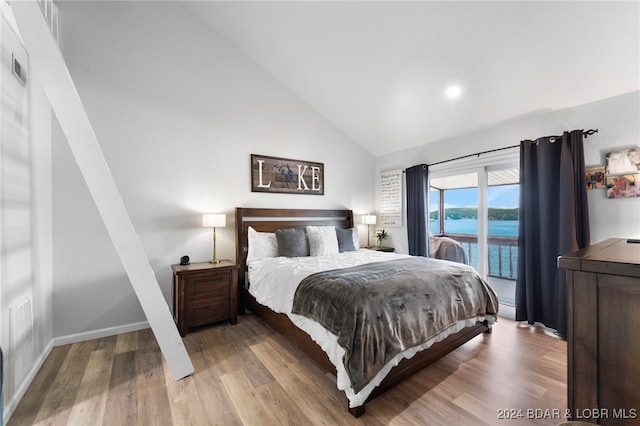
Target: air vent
<point x="21" y="316"/>
<point x="18" y="70"/>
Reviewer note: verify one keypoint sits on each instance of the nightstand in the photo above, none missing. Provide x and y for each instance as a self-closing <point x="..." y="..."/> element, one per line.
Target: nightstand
<point x="204" y="293"/>
<point x="382" y="248"/>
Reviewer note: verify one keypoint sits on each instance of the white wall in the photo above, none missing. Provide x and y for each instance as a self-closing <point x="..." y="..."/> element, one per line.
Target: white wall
<point x="25" y="218"/>
<point x="41" y="220"/>
<point x="618" y="121"/>
<point x="177" y="111"/>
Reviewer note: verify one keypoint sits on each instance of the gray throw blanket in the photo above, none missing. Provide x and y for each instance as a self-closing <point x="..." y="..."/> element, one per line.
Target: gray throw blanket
<point x="381" y="309"/>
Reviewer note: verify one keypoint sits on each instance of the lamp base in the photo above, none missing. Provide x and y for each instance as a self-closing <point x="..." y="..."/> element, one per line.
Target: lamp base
<point x="215" y="256"/>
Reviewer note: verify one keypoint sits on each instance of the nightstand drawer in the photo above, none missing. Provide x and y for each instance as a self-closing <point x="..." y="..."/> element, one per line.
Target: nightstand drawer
<point x="205" y="311"/>
<point x="210" y="285"/>
<point x="204" y="293"/>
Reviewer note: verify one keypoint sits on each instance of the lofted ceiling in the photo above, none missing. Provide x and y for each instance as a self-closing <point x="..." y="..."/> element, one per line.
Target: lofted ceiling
<point x="379" y="70"/>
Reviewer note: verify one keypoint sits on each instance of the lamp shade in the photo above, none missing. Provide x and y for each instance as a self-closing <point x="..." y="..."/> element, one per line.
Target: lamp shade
<point x="369" y="219"/>
<point x="214" y="220"/>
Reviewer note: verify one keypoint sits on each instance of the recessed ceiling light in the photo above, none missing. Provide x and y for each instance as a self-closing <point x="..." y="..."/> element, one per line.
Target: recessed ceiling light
<point x="453" y="92"/>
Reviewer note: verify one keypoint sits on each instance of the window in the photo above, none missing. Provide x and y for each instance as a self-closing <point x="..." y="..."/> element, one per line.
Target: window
<point x="434" y="211"/>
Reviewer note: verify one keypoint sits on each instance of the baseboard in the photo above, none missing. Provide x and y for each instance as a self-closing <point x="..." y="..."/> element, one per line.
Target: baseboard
<point x="12" y="403"/>
<point x="97" y="334"/>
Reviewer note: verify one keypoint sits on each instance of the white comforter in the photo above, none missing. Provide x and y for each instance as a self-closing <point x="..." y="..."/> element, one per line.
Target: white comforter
<point x="273" y="283"/>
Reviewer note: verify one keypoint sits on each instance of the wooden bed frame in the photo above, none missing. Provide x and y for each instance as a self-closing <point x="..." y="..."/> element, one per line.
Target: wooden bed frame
<point x="269" y="220"/>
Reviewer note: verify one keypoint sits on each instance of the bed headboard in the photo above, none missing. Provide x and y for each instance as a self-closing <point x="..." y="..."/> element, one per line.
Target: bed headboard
<point x="269" y="220"/>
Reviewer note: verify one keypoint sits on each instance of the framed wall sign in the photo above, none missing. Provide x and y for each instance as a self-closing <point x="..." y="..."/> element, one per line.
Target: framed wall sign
<point x="284" y="175"/>
<point x="391" y="198"/>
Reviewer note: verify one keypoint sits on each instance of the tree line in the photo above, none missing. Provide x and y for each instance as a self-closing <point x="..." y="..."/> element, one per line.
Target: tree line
<point x="472" y="213"/>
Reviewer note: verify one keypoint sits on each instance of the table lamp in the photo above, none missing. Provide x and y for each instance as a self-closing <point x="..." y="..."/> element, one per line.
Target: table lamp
<point x="369" y="219"/>
<point x="214" y="220"/>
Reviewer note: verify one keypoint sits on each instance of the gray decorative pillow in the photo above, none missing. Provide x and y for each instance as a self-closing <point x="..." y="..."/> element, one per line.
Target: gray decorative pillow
<point x="345" y="240"/>
<point x="292" y="242"/>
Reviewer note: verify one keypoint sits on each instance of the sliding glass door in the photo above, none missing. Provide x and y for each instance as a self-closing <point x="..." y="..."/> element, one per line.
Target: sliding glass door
<point x="477" y="207"/>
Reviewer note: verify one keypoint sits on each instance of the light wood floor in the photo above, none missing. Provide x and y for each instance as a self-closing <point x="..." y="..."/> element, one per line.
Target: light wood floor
<point x="248" y="374"/>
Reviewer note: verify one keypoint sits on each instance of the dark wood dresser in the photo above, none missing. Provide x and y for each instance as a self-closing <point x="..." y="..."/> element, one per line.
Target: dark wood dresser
<point x="603" y="332"/>
<point x="204" y="293"/>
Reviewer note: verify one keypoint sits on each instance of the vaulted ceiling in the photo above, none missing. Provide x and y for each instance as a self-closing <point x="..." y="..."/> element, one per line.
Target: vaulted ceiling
<point x="380" y="70"/>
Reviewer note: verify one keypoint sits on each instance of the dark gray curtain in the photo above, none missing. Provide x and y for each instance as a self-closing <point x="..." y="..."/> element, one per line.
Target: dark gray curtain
<point x="1" y="387"/>
<point x="554" y="219"/>
<point x="417" y="210"/>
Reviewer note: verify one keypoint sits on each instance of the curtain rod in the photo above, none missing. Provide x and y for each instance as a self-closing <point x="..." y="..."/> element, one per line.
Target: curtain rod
<point x="585" y="133"/>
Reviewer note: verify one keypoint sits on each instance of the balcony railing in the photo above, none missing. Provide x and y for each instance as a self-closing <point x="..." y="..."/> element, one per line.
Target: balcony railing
<point x="503" y="253"/>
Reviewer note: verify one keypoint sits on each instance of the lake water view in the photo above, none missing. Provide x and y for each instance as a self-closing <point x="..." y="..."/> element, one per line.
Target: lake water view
<point x="500" y="228"/>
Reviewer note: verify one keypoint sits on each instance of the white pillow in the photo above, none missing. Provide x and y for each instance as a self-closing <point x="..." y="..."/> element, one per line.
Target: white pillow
<point x="262" y="245"/>
<point x="322" y="240"/>
<point x="356" y="238"/>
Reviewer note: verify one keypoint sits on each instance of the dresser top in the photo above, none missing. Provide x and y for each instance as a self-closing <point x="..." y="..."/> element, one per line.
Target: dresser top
<point x="613" y="256"/>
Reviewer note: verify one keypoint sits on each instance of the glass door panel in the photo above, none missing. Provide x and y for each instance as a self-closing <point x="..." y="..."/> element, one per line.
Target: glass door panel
<point x="503" y="194"/>
<point x="461" y="220"/>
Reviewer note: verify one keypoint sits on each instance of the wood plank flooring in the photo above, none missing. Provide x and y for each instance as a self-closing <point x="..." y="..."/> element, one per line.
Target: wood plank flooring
<point x="247" y="374"/>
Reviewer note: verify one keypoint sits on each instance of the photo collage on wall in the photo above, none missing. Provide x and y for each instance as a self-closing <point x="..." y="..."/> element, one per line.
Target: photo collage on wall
<point x="620" y="176"/>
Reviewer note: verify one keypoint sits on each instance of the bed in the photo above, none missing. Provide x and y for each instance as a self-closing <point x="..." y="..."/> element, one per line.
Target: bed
<point x="287" y="276"/>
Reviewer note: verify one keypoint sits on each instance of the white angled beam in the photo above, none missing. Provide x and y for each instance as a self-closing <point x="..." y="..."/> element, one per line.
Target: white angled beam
<point x="52" y="71"/>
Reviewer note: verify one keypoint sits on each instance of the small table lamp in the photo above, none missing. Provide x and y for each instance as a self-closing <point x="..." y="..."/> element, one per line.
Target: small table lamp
<point x="369" y="219"/>
<point x="214" y="220"/>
